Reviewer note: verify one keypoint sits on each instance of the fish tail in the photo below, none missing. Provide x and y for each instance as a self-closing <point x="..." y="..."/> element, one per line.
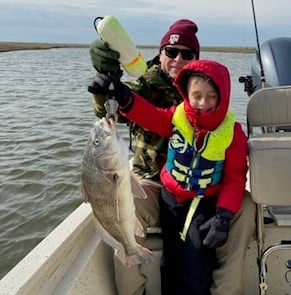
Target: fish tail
<point x="143" y="256"/>
<point x="138" y="229"/>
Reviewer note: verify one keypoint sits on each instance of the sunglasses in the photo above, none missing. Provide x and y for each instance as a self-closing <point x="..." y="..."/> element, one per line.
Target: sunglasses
<point x="172" y="52"/>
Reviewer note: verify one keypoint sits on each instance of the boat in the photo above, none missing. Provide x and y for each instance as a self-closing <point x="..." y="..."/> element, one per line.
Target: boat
<point x="73" y="259"/>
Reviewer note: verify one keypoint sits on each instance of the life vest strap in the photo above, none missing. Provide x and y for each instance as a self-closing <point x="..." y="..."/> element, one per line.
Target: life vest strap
<point x="190" y="214"/>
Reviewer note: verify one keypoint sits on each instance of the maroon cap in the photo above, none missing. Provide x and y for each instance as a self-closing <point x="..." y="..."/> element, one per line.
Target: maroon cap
<point x="182" y="32"/>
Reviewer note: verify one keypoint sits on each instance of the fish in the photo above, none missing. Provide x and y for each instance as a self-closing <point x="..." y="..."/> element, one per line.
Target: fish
<point x="107" y="183"/>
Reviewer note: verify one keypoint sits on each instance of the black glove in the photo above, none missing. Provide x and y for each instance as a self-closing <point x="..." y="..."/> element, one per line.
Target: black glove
<point x="104" y="59"/>
<point x="100" y="85"/>
<point x="218" y="228"/>
<point x="111" y="86"/>
<point x="194" y="233"/>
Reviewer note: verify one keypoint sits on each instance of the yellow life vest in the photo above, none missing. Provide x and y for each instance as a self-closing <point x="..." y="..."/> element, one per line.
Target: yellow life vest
<point x="197" y="169"/>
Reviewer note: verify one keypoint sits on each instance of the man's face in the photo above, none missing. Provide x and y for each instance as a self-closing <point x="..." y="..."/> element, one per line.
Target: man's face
<point x="174" y="57"/>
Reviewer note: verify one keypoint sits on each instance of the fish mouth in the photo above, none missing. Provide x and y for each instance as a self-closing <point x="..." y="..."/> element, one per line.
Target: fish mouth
<point x="108" y="125"/>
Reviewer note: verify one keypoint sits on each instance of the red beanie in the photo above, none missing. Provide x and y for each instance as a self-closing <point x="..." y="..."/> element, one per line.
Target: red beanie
<point x="182" y="32"/>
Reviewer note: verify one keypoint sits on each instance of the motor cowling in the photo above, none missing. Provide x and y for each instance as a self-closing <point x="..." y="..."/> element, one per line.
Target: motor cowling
<point x="276" y="62"/>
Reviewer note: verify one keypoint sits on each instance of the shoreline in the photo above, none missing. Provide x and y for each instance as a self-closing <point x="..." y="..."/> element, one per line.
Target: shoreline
<point x="15" y="46"/>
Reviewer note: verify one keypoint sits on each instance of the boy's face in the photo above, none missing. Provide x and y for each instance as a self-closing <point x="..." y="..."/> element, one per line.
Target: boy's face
<point x="202" y="96"/>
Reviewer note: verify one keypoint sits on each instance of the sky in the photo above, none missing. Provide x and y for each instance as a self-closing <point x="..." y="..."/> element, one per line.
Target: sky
<point x="220" y="22"/>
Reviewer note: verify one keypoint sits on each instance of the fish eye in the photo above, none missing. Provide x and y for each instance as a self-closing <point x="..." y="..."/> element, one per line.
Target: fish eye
<point x="97" y="142"/>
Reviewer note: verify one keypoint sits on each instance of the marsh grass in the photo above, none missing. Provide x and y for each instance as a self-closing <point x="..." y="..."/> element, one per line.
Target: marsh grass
<point x="13" y="46"/>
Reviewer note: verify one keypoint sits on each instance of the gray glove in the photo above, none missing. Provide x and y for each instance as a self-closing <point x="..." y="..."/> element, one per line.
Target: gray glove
<point x="218" y="228"/>
<point x="104" y="59"/>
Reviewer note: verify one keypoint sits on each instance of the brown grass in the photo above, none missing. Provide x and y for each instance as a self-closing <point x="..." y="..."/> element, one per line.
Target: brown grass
<point x="238" y="49"/>
<point x="12" y="46"/>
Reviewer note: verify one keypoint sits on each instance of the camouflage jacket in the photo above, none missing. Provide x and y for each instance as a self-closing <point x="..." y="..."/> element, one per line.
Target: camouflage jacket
<point x="150" y="149"/>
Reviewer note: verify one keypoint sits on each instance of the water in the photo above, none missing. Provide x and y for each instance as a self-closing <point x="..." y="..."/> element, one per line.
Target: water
<point x="45" y="118"/>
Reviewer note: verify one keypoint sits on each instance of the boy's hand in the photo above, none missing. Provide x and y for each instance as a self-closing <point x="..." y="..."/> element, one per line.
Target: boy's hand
<point x="111" y="86"/>
<point x="194" y="232"/>
<point x="100" y="85"/>
<point x="218" y="228"/>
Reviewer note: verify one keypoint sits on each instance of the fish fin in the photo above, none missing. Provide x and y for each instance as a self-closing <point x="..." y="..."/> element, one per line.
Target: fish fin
<point x="84" y="193"/>
<point x="120" y="254"/>
<point x="136" y="188"/>
<point x="143" y="256"/>
<point x="138" y="229"/>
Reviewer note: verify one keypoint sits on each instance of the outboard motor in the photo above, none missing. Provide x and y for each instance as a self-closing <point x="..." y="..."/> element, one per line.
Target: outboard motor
<point x="276" y="62"/>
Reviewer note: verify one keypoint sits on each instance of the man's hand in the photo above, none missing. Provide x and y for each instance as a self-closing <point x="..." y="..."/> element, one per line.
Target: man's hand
<point x="104" y="59"/>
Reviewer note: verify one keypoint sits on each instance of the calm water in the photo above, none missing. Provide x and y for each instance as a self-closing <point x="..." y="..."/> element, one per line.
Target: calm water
<point x="45" y="119"/>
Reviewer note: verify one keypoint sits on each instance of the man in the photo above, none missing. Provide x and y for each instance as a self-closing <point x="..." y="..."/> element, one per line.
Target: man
<point x="178" y="47"/>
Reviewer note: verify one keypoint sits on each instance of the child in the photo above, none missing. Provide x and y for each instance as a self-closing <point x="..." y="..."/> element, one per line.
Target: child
<point x="204" y="176"/>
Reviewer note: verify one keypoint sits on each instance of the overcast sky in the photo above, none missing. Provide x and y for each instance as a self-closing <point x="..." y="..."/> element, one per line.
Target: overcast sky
<point x="220" y="22"/>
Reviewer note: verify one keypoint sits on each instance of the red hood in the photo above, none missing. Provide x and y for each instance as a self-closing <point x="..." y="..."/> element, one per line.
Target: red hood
<point x="219" y="74"/>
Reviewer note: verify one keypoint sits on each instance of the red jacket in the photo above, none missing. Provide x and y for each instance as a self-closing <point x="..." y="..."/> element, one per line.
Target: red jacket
<point x="231" y="189"/>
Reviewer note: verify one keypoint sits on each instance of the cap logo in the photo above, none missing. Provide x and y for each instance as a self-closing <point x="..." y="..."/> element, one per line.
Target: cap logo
<point x="174" y="38"/>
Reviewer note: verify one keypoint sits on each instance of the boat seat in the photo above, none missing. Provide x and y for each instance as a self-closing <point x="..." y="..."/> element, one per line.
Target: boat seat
<point x="268" y="119"/>
<point x="154" y="230"/>
<point x="151" y="271"/>
<point x="280" y="214"/>
<point x="153" y="239"/>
